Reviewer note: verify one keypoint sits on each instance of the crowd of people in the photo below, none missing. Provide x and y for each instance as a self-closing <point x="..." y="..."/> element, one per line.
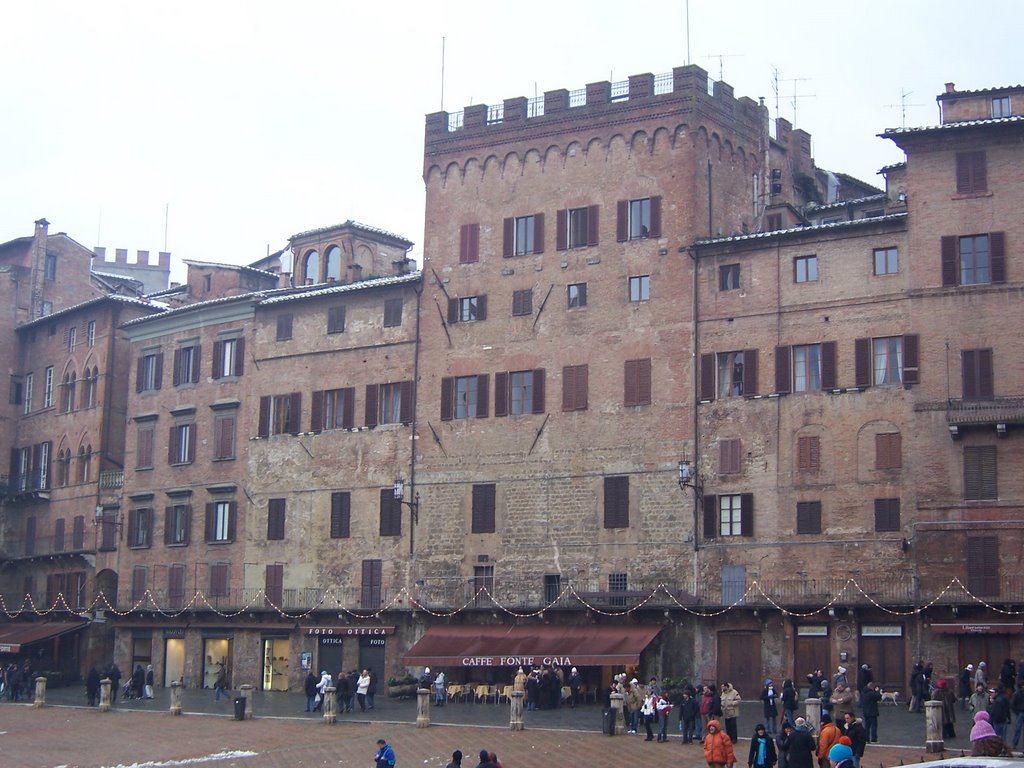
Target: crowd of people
<point x="16" y="681"/>
<point x="350" y="690"/>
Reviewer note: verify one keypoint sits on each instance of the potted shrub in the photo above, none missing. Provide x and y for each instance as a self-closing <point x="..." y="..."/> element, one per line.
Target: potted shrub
<point x="400" y="687"/>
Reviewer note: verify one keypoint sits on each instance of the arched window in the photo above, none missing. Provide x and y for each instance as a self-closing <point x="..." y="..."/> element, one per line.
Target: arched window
<point x="63" y="460"/>
<point x="334" y="262"/>
<point x="68" y="395"/>
<point x="311" y="267"/>
<point x="84" y="463"/>
<point x="91" y="382"/>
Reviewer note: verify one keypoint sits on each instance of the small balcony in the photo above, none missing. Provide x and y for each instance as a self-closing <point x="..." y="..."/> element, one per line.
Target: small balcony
<point x="997" y="413"/>
<point x="111" y="479"/>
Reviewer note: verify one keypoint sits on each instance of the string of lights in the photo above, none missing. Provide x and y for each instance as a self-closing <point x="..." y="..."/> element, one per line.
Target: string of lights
<point x="330" y="601"/>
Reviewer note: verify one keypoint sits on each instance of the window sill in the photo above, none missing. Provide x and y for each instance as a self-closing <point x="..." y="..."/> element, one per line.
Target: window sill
<point x="220" y="542"/>
<point x="971" y="195"/>
<point x="223" y="458"/>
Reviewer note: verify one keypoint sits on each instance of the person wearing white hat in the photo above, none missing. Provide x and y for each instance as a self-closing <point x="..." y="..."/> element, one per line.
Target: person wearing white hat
<point x="575" y="684"/>
<point x="964" y="686"/>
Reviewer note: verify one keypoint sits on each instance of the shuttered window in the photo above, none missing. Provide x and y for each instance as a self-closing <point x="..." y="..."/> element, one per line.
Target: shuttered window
<point x="464" y="397"/>
<point x="519" y="392"/>
<point x="275" y="519"/>
<point x="469" y="243"/>
<point x="177" y="525"/>
<point x="228" y="357"/>
<point x="887" y="515"/>
<point x="576" y="227"/>
<point x="138" y="583"/>
<point x="616" y="502"/>
<point x="390" y="513"/>
<point x="886" y="360"/>
<point x="522" y="302"/>
<point x="186" y="364"/>
<point x="978" y="378"/>
<point x="888" y="450"/>
<point x="808" y="451"/>
<point x="78" y="533"/>
<point x="333" y="409"/>
<point x="336" y="319"/>
<point x="467" y="309"/>
<point x="575" y="385"/>
<point x="372" y="582"/>
<point x="279" y="414"/>
<point x="58" y="535"/>
<point x="728" y="515"/>
<point x="392" y="313"/>
<point x="176" y="586"/>
<point x="980" y="473"/>
<point x="637" y="390"/>
<point x="284" y="327"/>
<point x="808" y="517"/>
<point x="523" y="235"/>
<point x="220" y="579"/>
<point x="220" y="522"/>
<point x="730" y="461"/>
<point x="273" y="589"/>
<point x="973" y="259"/>
<point x="983" y="572"/>
<point x="638" y="219"/>
<point x="341" y="514"/>
<point x="484" y="508"/>
<point x="140" y="527"/>
<point x="224" y="438"/>
<point x="971" y="172"/>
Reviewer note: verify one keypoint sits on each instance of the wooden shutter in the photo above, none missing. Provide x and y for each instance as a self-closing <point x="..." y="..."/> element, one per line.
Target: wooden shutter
<point x="862" y="376"/>
<point x="482" y="395"/>
<point x="168" y="525"/>
<point x="316" y="412"/>
<point x="336" y="319"/>
<point x="887" y="514"/>
<point x="483" y="508"/>
<point x="240" y="356"/>
<point x="224" y="437"/>
<point x="138" y="582"/>
<point x="218" y="359"/>
<point x="751" y="384"/>
<point x="294" y="412"/>
<point x="78" y="533"/>
<point x="158" y="378"/>
<point x="707" y="377"/>
<point x="275" y="519"/>
<point x="448" y="398"/>
<point x="508" y="236"/>
<point x="888" y="450"/>
<point x="574" y="387"/>
<point x="730" y="456"/>
<point x="997" y="256"/>
<point x="971" y="172"/>
<point x="372" y="581"/>
<point x="177" y="367"/>
<point x="637" y="382"/>
<point x="983" y="577"/>
<point x="616" y="502"/>
<point x="980" y="480"/>
<point x="469" y="243"/>
<point x="538" y="391"/>
<point x="809" y="453"/>
<point x="370" y="409"/>
<point x="274" y="585"/>
<point x="232" y="519"/>
<point x="348" y="408"/>
<point x="655" y="230"/>
<point x="986" y="376"/>
<point x="969" y="373"/>
<point x="808" y="517"/>
<point x="172" y="446"/>
<point x="746" y="514"/>
<point x="405" y="407"/>
<point x="562" y="230"/>
<point x="341" y="514"/>
<point x="140" y="373"/>
<point x="828" y="365"/>
<point x="264" y="426"/>
<point x="538" y="233"/>
<point x="501" y="393"/>
<point x="710" y="517"/>
<point x="176" y="585"/>
<point x="592" y="224"/>
<point x="58" y="535"/>
<point x="284" y="327"/>
<point x="197" y="360"/>
<point x="783" y="370"/>
<point x="481" y="307"/>
<point x="950" y="261"/>
<point x="622" y="220"/>
<point x="911" y="372"/>
<point x="211" y="522"/>
<point x="453" y="311"/>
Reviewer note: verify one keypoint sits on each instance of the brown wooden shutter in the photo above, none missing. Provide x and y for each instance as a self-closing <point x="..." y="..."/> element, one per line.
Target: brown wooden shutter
<point x="483" y="509"/>
<point x="58" y="535"/>
<point x="655" y="230"/>
<point x="750" y="379"/>
<point x="172" y="446"/>
<point x="997" y="256"/>
<point x="986" y="374"/>
<point x="862" y="376"/>
<point x="192" y="440"/>
<point x="133" y="519"/>
<point x="783" y="370"/>
<point x="370" y="409"/>
<point x="232" y="519"/>
<point x="176" y="376"/>
<point x="911" y="371"/>
<point x="348" y="413"/>
<point x="158" y="379"/>
<point x="481" y="307"/>
<point x="197" y="359"/>
<point x="963" y="172"/>
<point x="138" y="582"/>
<point x="968" y="371"/>
<point x="538" y="233"/>
<point x="538" y="390"/>
<point x="707" y="376"/>
<point x="405" y="407"/>
<point x="294" y="413"/>
<point x="447" y="398"/>
<point x="168" y="525"/>
<point x="140" y="373"/>
<point x="568" y="387"/>
<point x="274" y="585"/>
<point x="275" y="519"/>
<point x="78" y="533"/>
<point x="453" y="311"/>
<point x="562" y="230"/>
<point x="316" y="412"/>
<point x="508" y="236"/>
<point x="211" y="522"/>
<point x="828" y="365"/>
<point x="950" y="261"/>
<point x="336" y="319"/>
<point x="622" y="220"/>
<point x="592" y="224"/>
<point x="371" y="584"/>
<point x="218" y="359"/>
<point x="340" y="515"/>
<point x="746" y="514"/>
<point x="240" y="356"/>
<point x="501" y="393"/>
<point x="710" y="517"/>
<point x="264" y="426"/>
<point x="582" y="387"/>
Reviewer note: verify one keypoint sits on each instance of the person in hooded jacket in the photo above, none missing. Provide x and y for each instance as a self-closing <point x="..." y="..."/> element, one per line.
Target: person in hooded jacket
<point x="965" y="683"/>
<point x="985" y="742"/>
<point x="310" y="690"/>
<point x="769" y="705"/>
<point x="689" y="714"/>
<point x="731" y="710"/>
<point x="718" y="746"/>
<point x="782" y="742"/>
<point x="790" y="698"/>
<point x="827" y="738"/>
<point x="870" y="699"/>
<point x="762" y="749"/>
<point x="854" y="731"/>
<point x="321" y="690"/>
<point x="802" y="746"/>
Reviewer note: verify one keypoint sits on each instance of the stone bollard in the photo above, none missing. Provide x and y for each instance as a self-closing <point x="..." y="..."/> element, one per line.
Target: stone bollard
<point x="330" y="705"/>
<point x="620" y="718"/>
<point x="40" y="692"/>
<point x="515" y="708"/>
<point x="422" y="707"/>
<point x="175" y="698"/>
<point x="812" y="713"/>
<point x="246" y="691"/>
<point x="933" y="727"/>
<point x="105" y="694"/>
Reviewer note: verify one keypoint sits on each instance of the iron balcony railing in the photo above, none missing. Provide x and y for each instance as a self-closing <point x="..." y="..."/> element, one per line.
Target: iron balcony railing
<point x="46" y="546"/>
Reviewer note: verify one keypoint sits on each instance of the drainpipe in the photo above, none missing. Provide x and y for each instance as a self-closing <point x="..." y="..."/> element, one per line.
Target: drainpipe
<point x="696" y="391"/>
<point x="412" y="440"/>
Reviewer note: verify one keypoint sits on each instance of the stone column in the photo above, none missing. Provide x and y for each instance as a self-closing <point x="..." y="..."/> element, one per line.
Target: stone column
<point x="246" y="690"/>
<point x="330" y="705"/>
<point x="105" y="694"/>
<point x="515" y="707"/>
<point x="617" y="700"/>
<point x="812" y="713"/>
<point x="422" y="707"/>
<point x="40" y="692"/>
<point x="933" y="727"/>
<point x="175" y="698"/>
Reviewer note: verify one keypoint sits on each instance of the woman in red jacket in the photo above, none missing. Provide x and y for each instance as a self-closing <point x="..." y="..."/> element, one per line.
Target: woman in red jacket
<point x="718" y="747"/>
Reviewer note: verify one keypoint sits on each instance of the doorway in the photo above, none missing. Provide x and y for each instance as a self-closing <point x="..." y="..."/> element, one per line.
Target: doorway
<point x="330" y="655"/>
<point x="811" y="651"/>
<point x="174" y="661"/>
<point x="216" y="655"/>
<point x="739" y="661"/>
<point x="371" y="655"/>
<point x="275" y="663"/>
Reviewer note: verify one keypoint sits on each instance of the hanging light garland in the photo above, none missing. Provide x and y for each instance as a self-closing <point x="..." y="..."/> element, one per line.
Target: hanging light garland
<point x="200" y="602"/>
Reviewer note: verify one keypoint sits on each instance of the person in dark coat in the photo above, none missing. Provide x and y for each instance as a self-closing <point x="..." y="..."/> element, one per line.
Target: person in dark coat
<point x="870" y="698"/>
<point x="762" y="749"/>
<point x="865" y="675"/>
<point x="802" y="746"/>
<point x="769" y="702"/>
<point x="1008" y="675"/>
<point x="139" y="681"/>
<point x="790" y="697"/>
<point x="115" y="681"/>
<point x="310" y="690"/>
<point x="965" y="686"/>
<point x="999" y="712"/>
<point x="854" y="730"/>
<point x="782" y="744"/>
<point x="689" y="711"/>
<point x="92" y="686"/>
<point x="343" y="693"/>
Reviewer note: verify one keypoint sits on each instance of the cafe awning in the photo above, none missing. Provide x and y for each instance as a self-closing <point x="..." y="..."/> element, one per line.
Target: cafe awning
<point x="525" y="645"/>
<point x="13" y="637"/>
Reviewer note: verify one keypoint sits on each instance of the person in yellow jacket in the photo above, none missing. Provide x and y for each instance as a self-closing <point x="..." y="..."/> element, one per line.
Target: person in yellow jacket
<point x="718" y="747"/>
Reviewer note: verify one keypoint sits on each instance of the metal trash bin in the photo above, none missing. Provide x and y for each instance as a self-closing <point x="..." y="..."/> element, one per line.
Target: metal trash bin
<point x="240" y="708"/>
<point x="608" y="721"/>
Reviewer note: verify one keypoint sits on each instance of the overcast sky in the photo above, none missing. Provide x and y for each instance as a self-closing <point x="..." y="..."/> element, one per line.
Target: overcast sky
<point x="242" y="123"/>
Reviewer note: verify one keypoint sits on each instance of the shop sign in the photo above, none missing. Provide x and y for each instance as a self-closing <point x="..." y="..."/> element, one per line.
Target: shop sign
<point x="881" y="630"/>
<point x="331" y="641"/>
<point x="812" y="630"/>
<point x="516" y="661"/>
<point x="347" y="631"/>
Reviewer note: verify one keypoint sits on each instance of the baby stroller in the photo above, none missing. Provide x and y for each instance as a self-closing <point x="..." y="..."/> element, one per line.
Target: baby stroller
<point x="127" y="692"/>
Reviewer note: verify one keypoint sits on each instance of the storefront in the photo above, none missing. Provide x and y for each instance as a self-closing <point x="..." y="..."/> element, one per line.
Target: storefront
<point x="174" y="656"/>
<point x="344" y="648"/>
<point x="275" y="663"/>
<point x="216" y="656"/>
<point x="988" y="641"/>
<point x="47" y="645"/>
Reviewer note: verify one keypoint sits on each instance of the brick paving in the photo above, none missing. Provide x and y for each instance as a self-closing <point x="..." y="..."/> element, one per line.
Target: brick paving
<point x="140" y="733"/>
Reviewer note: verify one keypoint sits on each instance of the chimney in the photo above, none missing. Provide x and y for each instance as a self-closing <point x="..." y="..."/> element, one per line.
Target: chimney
<point x="42" y="227"/>
<point x="950" y="88"/>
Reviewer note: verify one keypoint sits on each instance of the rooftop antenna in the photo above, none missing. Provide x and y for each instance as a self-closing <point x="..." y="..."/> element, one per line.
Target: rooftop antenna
<point x="903" y="106"/>
<point x="720" y="57"/>
<point x="442" y="73"/>
<point x="793" y="99"/>
<point x="167" y="216"/>
<point x="99" y="225"/>
<point x="687" y="32"/>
